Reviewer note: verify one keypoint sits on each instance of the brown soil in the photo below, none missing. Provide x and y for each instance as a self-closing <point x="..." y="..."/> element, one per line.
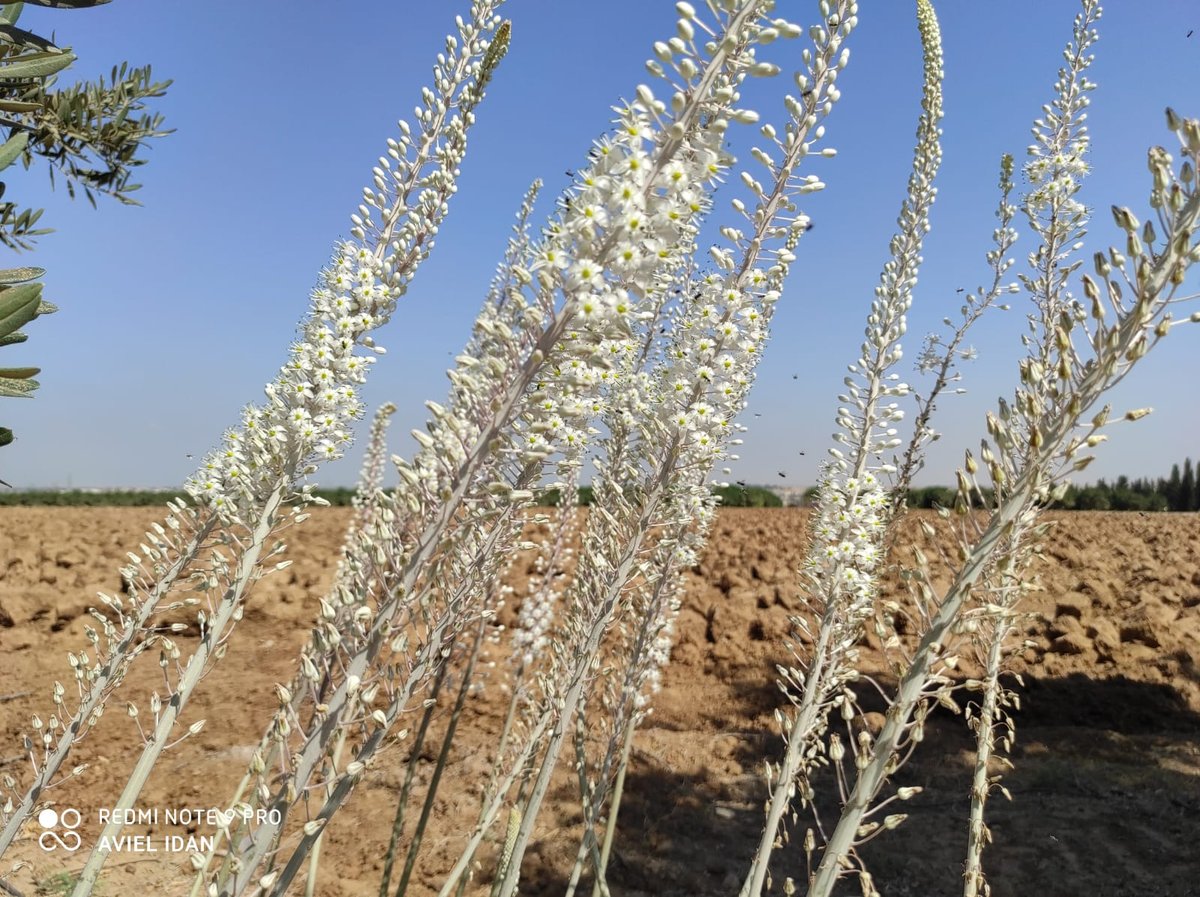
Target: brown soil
<point x="1106" y="785"/>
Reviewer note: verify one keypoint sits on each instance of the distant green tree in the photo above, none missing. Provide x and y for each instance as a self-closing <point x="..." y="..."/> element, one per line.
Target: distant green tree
<point x="1174" y="490"/>
<point x="748" y="497"/>
<point x="1187" y="488"/>
<point x="932" y="497"/>
<point x="89" y="133"/>
<point x="1093" y="498"/>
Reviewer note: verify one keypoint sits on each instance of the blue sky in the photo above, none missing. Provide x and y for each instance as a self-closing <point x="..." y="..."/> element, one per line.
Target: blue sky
<point x="175" y="314"/>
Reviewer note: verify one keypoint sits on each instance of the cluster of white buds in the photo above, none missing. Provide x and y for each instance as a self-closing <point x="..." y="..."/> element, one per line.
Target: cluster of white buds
<point x="1041" y="429"/>
<point x="344" y="609"/>
<point x="658" y="655"/>
<point x="536" y="616"/>
<point x="854" y="505"/>
<point x="710" y="365"/>
<point x="1057" y="165"/>
<point x="314" y="398"/>
<point x="674" y="419"/>
<point x="849" y="525"/>
<point x="551" y="348"/>
<point x="706" y="366"/>
<point x="533" y="623"/>
<point x="1060" y="222"/>
<point x="569" y="314"/>
<point x="685" y="408"/>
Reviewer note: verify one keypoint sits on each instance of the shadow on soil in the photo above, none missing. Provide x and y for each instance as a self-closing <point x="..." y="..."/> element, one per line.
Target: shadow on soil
<point x="1106" y="803"/>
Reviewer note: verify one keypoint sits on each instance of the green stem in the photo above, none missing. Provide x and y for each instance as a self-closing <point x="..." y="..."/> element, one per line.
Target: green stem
<point x="198" y="883"/>
<point x="587" y="796"/>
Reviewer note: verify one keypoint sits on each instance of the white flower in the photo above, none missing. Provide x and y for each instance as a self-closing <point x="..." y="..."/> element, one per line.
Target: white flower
<point x="585" y="274"/>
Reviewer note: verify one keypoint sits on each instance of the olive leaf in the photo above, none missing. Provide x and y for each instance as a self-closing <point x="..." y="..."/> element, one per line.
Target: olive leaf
<point x="36" y="65"/>
<point x="18" y="383"/>
<point x="90" y="133"/>
<point x="19" y="306"/>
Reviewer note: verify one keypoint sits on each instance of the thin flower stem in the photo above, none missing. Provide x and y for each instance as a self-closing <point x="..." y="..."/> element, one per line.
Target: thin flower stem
<point x="600" y="888"/>
<point x="197" y="665"/>
<point x="447" y="740"/>
<point x="587" y="800"/>
<point x="625" y="715"/>
<point x="516" y="771"/>
<point x="596" y="627"/>
<point x="800" y="734"/>
<point x="385" y="882"/>
<point x="254" y="848"/>
<point x="314" y="861"/>
<point x="985" y="737"/>
<point x="1000" y="263"/>
<point x="843" y="579"/>
<point x="581" y="853"/>
<point x="490" y="790"/>
<point x="110" y="676"/>
<point x="198" y="882"/>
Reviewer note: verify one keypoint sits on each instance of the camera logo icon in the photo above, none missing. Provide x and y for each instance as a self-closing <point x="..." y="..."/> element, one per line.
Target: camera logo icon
<point x="52" y="838"/>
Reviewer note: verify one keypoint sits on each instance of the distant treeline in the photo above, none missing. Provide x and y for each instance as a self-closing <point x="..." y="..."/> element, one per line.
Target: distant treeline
<point x="731" y="497"/>
<point x="124" y="498"/>
<point x="1178" y="492"/>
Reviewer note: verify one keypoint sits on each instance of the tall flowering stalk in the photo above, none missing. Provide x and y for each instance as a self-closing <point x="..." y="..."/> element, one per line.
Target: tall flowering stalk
<point x="313" y="398"/>
<point x="241" y="489"/>
<point x="1054" y="171"/>
<point x="366" y="502"/>
<point x="352" y="603"/>
<point x="853" y="511"/>
<point x="363" y="526"/>
<point x="368" y="494"/>
<point x="1034" y="445"/>
<point x="671" y="427"/>
<point x="517" y="250"/>
<point x="366" y="524"/>
<point x="639" y="642"/>
<point x="519" y="393"/>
